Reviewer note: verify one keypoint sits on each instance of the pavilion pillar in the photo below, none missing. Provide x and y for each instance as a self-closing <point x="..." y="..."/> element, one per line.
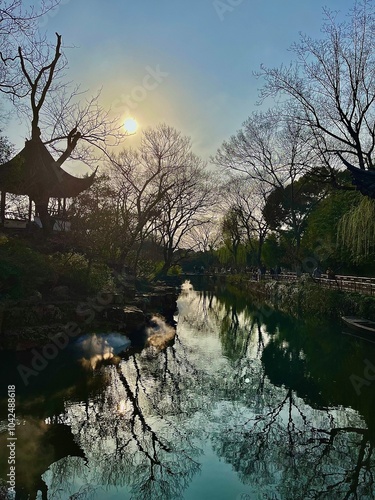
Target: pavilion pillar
<point x="64" y="207"/>
<point x="2" y="206"/>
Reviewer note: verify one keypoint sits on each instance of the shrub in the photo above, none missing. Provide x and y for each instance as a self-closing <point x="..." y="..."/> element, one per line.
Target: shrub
<point x="75" y="271"/>
<point x="22" y="269"/>
<point x="175" y="270"/>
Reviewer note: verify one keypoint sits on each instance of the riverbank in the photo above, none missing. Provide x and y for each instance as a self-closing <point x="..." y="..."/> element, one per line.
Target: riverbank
<point x="32" y="322"/>
<point x="47" y="289"/>
<point x="305" y="297"/>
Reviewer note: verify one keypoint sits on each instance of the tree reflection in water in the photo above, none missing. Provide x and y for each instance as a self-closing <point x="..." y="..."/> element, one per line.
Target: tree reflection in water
<point x="276" y="442"/>
<point x="127" y="433"/>
<point x="271" y="395"/>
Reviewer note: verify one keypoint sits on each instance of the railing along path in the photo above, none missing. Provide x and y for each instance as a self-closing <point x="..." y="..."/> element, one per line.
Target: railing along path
<point x="359" y="284"/>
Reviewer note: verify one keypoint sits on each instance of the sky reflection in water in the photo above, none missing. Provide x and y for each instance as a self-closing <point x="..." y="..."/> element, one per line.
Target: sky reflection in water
<point x="245" y="404"/>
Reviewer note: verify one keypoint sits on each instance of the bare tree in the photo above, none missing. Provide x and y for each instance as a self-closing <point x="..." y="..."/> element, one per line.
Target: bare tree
<point x="273" y="152"/>
<point x="19" y="27"/>
<point x="162" y="189"/>
<point x="142" y="179"/>
<point x="64" y="113"/>
<point x="268" y="148"/>
<point x="233" y="236"/>
<point x="183" y="208"/>
<point x="205" y="237"/>
<point x="247" y="198"/>
<point x="68" y="121"/>
<point x="331" y="85"/>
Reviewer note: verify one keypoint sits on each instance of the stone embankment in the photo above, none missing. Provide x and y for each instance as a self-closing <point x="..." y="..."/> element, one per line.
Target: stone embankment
<point x="304" y="297"/>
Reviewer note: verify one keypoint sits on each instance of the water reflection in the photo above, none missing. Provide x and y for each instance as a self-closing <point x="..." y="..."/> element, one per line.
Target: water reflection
<point x="290" y="435"/>
<point x="39" y="444"/>
<point x="95" y="349"/>
<point x="270" y="395"/>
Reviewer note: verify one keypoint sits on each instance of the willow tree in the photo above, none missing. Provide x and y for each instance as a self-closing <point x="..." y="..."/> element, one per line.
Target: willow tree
<point x="356" y="230"/>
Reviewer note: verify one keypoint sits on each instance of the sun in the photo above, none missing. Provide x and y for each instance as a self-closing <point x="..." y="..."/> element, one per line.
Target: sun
<point x="130" y="125"/>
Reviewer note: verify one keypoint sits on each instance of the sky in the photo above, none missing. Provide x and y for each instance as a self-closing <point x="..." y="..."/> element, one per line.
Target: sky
<point x="189" y="64"/>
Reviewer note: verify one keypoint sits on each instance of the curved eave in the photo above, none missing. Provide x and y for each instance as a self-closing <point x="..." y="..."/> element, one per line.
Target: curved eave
<point x="34" y="172"/>
<point x="12" y="175"/>
<point x="68" y="186"/>
<point x="363" y="180"/>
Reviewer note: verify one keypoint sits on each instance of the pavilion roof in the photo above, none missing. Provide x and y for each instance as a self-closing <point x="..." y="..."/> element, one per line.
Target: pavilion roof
<point x="34" y="172"/>
<point x="363" y="180"/>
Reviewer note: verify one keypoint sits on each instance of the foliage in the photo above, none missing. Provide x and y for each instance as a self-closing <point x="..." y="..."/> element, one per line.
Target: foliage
<point x="77" y="272"/>
<point x="271" y="154"/>
<point x="243" y="199"/>
<point x="93" y="218"/>
<point x="272" y="252"/>
<point x="6" y="149"/>
<point x="330" y="304"/>
<point x="22" y="269"/>
<point x="175" y="270"/>
<point x="363" y="305"/>
<point x="320" y="238"/>
<point x="356" y="230"/>
<point x="304" y="299"/>
<point x="226" y="255"/>
<point x="287" y="207"/>
<point x="328" y="107"/>
<point x="232" y="235"/>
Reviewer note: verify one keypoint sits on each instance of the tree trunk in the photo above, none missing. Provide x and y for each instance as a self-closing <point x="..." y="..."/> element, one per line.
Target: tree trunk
<point x="41" y="208"/>
<point x="168" y="260"/>
<point x="260" y="246"/>
<point x="2" y="206"/>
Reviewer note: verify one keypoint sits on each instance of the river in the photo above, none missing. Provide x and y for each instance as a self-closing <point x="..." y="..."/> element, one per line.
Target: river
<point x="246" y="403"/>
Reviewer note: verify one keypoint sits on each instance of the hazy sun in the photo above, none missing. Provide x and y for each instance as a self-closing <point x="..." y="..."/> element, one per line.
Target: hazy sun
<point x="130" y="125"/>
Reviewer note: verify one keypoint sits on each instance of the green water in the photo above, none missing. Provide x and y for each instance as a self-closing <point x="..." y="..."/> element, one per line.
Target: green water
<point x="246" y="404"/>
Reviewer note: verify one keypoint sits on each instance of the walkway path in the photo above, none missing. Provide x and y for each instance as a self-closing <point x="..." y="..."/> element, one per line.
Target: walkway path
<point x="359" y="284"/>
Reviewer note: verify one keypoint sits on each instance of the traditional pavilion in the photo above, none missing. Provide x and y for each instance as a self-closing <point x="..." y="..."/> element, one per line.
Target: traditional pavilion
<point x="35" y="173"/>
